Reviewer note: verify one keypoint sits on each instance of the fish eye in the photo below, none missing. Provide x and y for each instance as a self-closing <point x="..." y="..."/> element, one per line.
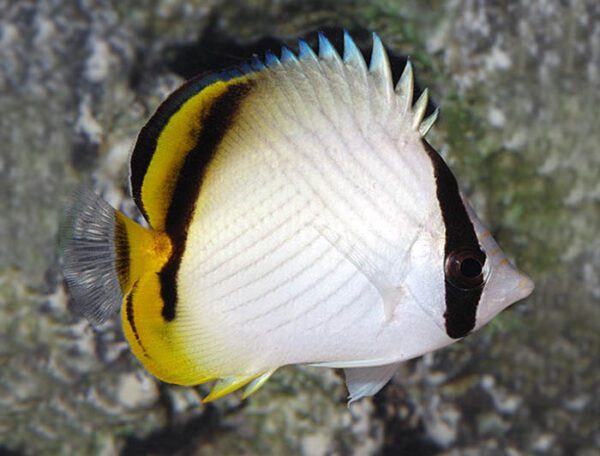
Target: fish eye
<point x="464" y="268"/>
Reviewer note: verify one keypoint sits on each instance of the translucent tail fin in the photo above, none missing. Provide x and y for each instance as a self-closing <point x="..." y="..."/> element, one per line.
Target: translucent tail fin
<point x="103" y="254"/>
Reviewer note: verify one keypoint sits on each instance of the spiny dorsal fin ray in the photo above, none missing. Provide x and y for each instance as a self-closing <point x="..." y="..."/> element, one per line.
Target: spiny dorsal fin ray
<point x="428" y="122"/>
<point x="380" y="68"/>
<point x="419" y="109"/>
<point x="287" y="55"/>
<point x="352" y="55"/>
<point x="405" y="88"/>
<point x="326" y="49"/>
<point x="305" y="52"/>
<point x="378" y="73"/>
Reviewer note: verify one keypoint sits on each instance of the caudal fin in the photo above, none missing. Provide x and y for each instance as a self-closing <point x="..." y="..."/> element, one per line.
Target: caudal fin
<point x="103" y="254"/>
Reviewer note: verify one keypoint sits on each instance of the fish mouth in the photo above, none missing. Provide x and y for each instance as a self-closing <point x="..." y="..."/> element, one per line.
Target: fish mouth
<point x="514" y="285"/>
<point x="505" y="286"/>
<point x="524" y="288"/>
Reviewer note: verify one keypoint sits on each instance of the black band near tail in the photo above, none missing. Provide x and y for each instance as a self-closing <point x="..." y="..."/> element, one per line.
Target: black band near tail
<point x="122" y="255"/>
<point x="461" y="305"/>
<point x="214" y="126"/>
<point x="131" y="318"/>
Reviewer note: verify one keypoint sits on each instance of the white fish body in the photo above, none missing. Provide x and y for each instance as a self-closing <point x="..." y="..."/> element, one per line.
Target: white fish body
<point x="321" y="232"/>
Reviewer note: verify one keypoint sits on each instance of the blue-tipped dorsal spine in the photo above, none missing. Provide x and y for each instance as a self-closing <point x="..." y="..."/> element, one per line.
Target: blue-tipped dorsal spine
<point x="352" y="54"/>
<point x="271" y="59"/>
<point x="379" y="61"/>
<point x="305" y="52"/>
<point x="380" y="67"/>
<point x="287" y="55"/>
<point x="257" y="64"/>
<point x="326" y="49"/>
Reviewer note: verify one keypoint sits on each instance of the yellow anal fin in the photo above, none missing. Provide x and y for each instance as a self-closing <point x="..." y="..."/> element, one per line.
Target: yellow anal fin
<point x="228" y="385"/>
<point x="257" y="384"/>
<point x="225" y="386"/>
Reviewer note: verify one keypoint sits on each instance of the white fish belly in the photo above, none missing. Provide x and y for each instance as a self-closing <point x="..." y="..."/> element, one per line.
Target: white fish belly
<point x="267" y="277"/>
<point x="273" y="291"/>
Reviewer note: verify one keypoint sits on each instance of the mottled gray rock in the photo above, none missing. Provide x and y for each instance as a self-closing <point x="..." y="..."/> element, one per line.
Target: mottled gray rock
<point x="69" y="112"/>
<point x="518" y="84"/>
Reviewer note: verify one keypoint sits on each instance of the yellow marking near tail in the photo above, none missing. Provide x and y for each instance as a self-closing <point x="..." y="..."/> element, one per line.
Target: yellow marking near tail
<point x="159" y="348"/>
<point x="155" y="342"/>
<point x="228" y="385"/>
<point x="175" y="141"/>
<point x="147" y="250"/>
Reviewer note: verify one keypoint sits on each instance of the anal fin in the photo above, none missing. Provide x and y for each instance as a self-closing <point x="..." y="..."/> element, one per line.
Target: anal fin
<point x="367" y="381"/>
<point x="256" y="384"/>
<point x="228" y="385"/>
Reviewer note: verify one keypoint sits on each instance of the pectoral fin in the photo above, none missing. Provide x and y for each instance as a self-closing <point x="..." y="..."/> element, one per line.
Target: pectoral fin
<point x="344" y="243"/>
<point x="367" y="381"/>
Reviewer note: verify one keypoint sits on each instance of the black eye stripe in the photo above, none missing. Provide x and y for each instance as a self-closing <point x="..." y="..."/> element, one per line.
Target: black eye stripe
<point x="461" y="303"/>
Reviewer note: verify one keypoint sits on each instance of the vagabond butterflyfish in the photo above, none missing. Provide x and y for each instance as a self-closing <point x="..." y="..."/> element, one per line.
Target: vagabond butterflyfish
<point x="295" y="215"/>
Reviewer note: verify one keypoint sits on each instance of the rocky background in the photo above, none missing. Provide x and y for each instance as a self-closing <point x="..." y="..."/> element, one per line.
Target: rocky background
<point x="519" y="88"/>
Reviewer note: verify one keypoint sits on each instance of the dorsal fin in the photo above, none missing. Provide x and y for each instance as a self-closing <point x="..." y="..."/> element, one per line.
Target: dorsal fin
<point x="174" y="129"/>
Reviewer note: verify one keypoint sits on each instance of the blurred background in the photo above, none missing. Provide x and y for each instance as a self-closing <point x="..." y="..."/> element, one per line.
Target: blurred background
<point x="518" y="84"/>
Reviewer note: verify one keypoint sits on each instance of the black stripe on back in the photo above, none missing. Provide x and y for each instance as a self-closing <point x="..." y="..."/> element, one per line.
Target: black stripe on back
<point x="145" y="145"/>
<point x="214" y="126"/>
<point x="461" y="305"/>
